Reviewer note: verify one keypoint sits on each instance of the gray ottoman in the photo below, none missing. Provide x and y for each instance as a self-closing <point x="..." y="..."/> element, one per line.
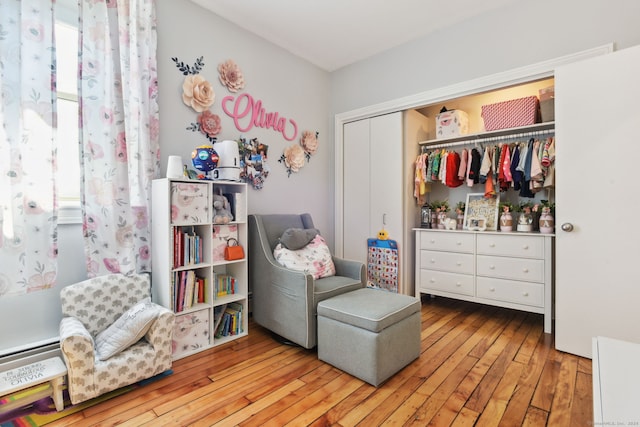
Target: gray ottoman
<point x="369" y="333"/>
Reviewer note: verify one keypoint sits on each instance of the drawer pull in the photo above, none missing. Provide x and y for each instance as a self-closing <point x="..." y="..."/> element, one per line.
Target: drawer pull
<point x="458" y="284"/>
<point x="458" y="243"/>
<point x="525" y="270"/>
<point x="433" y="261"/>
<point x="432" y="280"/>
<point x="432" y="241"/>
<point x="492" y="289"/>
<point x="525" y="294"/>
<point x="525" y="247"/>
<point x="492" y="267"/>
<point x="492" y="245"/>
<point x="458" y="263"/>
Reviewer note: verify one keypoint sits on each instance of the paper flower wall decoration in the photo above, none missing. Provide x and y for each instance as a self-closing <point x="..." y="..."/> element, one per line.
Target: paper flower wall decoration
<point x="294" y="156"/>
<point x="198" y="94"/>
<point x="231" y="75"/>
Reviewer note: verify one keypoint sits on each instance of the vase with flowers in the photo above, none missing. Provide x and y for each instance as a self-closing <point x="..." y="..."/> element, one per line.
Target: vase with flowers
<point x="546" y="217"/>
<point x="525" y="218"/>
<point x="506" y="219"/>
<point x="440" y="209"/>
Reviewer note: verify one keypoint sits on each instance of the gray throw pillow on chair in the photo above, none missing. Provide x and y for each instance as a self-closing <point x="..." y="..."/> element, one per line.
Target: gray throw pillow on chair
<point x="297" y="238"/>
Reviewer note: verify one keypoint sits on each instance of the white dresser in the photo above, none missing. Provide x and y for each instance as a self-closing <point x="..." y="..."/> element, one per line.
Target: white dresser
<point x="512" y="270"/>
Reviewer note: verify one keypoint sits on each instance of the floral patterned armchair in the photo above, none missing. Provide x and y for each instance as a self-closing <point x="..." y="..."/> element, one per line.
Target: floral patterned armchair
<point x="93" y="306"/>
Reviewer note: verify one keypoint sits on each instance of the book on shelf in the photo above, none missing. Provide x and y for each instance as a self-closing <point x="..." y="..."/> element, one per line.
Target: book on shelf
<point x="224" y="284"/>
<point x="187" y="247"/>
<point x="218" y="311"/>
<point x="187" y="289"/>
<point x="231" y="320"/>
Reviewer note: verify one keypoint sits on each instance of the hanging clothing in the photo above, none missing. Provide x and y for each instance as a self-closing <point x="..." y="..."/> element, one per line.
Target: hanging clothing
<point x="474" y="169"/>
<point x="462" y="170"/>
<point x="453" y="165"/>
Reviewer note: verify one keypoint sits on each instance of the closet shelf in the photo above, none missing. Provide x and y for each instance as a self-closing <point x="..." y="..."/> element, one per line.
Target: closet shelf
<point x="522" y="131"/>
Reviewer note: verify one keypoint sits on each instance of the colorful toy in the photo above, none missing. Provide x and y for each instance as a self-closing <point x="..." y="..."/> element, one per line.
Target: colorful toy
<point x="204" y="158"/>
<point x="383" y="235"/>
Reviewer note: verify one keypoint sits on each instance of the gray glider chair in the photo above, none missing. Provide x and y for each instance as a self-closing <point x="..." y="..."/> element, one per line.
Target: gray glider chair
<point x="284" y="300"/>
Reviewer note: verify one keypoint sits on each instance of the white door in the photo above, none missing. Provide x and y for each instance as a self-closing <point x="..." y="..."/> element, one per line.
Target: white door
<point x="372" y="188"/>
<point x="598" y="153"/>
<point x="386" y="176"/>
<point x="356" y="190"/>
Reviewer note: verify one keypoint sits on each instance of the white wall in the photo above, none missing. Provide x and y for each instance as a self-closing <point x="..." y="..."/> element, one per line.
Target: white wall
<point x="285" y="84"/>
<point x="523" y="33"/>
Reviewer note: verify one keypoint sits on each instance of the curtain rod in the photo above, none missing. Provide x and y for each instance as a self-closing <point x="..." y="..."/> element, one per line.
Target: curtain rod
<point x="495" y="138"/>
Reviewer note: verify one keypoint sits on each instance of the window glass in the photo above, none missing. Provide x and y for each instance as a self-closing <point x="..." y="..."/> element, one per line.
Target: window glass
<point x="68" y="176"/>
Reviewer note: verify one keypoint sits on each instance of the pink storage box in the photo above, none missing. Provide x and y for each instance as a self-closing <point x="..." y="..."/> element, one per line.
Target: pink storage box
<point x="511" y="114"/>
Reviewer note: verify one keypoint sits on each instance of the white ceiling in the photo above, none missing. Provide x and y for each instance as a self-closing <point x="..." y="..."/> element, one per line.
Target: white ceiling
<point x="335" y="33"/>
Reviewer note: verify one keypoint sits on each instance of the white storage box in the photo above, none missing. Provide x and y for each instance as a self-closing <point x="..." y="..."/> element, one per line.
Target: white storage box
<point x="452" y="123"/>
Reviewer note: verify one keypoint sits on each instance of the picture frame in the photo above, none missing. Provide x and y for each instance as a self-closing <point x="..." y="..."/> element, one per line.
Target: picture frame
<point x="480" y="213"/>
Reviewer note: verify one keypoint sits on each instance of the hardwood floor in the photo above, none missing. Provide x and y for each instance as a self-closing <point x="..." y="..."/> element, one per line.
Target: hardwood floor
<point x="479" y="366"/>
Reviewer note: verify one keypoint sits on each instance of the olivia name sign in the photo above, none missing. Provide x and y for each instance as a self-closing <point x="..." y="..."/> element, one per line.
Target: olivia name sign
<point x="248" y="112"/>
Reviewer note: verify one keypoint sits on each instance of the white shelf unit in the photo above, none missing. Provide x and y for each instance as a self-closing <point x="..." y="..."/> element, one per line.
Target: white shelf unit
<point x="186" y="206"/>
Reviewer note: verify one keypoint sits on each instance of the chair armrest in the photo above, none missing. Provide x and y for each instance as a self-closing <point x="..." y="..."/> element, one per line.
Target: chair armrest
<point x="77" y="347"/>
<point x="349" y="268"/>
<point x="76" y="343"/>
<point x="160" y="336"/>
<point x="290" y="281"/>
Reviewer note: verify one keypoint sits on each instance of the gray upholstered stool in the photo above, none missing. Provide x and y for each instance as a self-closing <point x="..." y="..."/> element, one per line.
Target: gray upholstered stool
<point x="369" y="333"/>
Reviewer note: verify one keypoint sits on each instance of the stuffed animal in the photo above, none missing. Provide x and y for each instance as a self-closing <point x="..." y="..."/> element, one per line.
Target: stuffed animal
<point x="221" y="210"/>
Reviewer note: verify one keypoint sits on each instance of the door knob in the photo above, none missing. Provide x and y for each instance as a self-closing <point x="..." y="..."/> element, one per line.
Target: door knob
<point x="567" y="226"/>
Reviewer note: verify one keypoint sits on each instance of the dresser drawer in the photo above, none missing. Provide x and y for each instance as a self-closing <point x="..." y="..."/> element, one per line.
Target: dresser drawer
<point x="447" y="261"/>
<point x="450" y="242"/>
<point x="531" y="294"/>
<point x="511" y="245"/>
<point x="448" y="282"/>
<point x="530" y="270"/>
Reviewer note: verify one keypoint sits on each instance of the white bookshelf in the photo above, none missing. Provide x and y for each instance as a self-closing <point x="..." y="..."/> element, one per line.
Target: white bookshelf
<point x="186" y="206"/>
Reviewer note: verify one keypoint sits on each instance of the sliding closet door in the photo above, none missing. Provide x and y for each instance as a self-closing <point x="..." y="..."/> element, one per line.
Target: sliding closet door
<point x="372" y="187"/>
<point x="356" y="189"/>
<point x="597" y="231"/>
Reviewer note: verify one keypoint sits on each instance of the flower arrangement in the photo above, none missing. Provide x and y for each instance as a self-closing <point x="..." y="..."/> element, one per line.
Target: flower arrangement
<point x="460" y="207"/>
<point x="294" y="156"/>
<point x="547" y="205"/>
<point x="507" y="207"/>
<point x="525" y="207"/>
<point x="440" y="206"/>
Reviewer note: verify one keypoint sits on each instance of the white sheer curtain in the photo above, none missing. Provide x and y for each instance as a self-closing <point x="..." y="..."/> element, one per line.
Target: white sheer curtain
<point x="28" y="213"/>
<point x="118" y="132"/>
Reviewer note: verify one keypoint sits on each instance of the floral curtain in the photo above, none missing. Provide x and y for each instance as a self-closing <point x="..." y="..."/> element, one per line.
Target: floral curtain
<point x="119" y="132"/>
<point x="28" y="223"/>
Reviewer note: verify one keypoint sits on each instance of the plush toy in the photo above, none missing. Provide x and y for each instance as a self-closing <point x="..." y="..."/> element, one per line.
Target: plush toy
<point x="221" y="210"/>
<point x="383" y="235"/>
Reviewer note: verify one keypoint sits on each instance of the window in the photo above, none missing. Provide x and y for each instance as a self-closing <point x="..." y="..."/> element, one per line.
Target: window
<point x="68" y="174"/>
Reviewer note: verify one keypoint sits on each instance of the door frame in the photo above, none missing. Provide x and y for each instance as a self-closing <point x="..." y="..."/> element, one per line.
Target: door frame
<point x="512" y="77"/>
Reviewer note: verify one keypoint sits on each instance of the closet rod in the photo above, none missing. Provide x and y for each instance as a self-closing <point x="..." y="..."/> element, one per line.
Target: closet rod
<point x="489" y="139"/>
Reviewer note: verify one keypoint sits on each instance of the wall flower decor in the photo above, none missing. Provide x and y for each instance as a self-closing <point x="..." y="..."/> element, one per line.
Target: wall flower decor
<point x="231" y="76"/>
<point x="294" y="156"/>
<point x="198" y="94"/>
